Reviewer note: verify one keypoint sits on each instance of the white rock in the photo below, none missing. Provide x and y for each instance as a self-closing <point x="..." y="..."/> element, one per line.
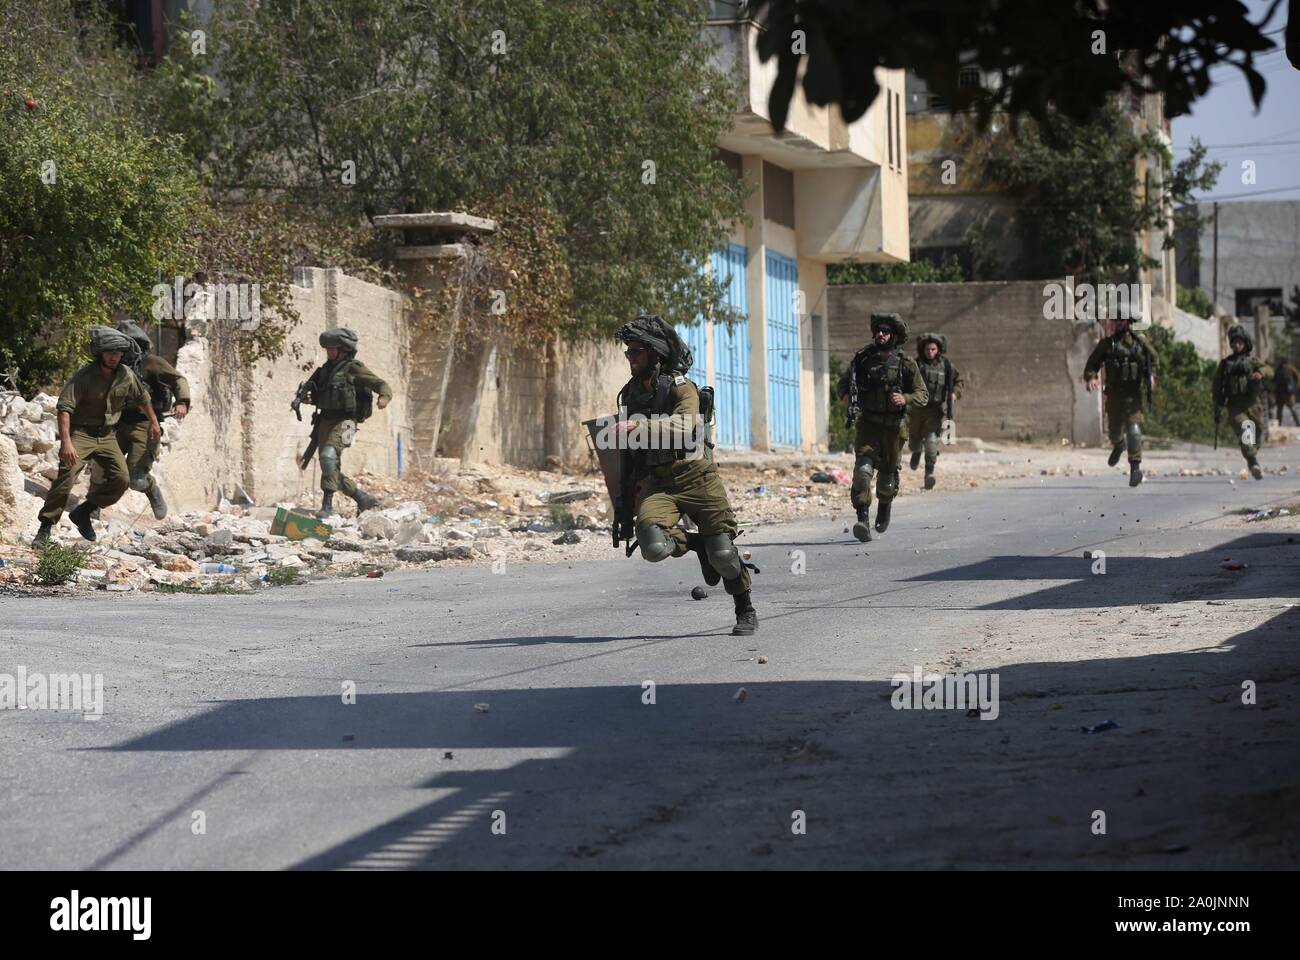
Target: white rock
<point x="46" y="402"/>
<point x="409" y="531"/>
<point x="31" y="411"/>
<point x="377" y="526"/>
<point x="411" y="510"/>
<point x="454" y="534"/>
<point x="18" y="508"/>
<point x="293" y="560"/>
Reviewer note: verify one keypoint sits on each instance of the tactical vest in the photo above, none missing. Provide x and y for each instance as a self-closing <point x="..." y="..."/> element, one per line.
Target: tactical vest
<point x="337" y="394"/>
<point x="1236" y="376"/>
<point x="1126" y="363"/>
<point x="660" y="403"/>
<point x="936" y="380"/>
<point x="879" y="375"/>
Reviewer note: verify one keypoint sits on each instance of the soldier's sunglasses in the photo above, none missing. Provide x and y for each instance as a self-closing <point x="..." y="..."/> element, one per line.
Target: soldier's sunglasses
<point x="633" y="352"/>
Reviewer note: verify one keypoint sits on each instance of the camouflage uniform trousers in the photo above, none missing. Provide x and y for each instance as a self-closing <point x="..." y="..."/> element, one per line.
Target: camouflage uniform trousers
<point x="1122" y="411"/>
<point x="878" y="444"/>
<point x="100" y="445"/>
<point x="335" y="433"/>
<point x="1239" y="414"/>
<point x="139" y="451"/>
<point x="692" y="488"/>
<point x="923" y="429"/>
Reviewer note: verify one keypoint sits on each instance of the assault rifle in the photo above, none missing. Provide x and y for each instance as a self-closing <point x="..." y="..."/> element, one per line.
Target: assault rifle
<point x="304" y="395"/>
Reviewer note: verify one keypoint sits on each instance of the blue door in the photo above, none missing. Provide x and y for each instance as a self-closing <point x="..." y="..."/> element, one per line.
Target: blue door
<point x="731" y="351"/>
<point x="697" y="340"/>
<point x="783" y="354"/>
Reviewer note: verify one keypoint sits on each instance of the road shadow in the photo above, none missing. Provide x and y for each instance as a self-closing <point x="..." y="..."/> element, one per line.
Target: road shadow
<point x="703" y="777"/>
<point x="1127" y="580"/>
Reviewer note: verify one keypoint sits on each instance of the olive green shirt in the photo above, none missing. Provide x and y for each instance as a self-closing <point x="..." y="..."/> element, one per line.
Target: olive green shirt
<point x="92" y="402"/>
<point x="155" y="369"/>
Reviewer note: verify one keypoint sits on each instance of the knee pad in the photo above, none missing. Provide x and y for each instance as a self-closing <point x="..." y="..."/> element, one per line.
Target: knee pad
<point x="655" y="545"/>
<point x="887" y="485"/>
<point x="862" y="475"/>
<point x="931" y="446"/>
<point x="329" y="460"/>
<point x="722" y="555"/>
<point x="1133" y="438"/>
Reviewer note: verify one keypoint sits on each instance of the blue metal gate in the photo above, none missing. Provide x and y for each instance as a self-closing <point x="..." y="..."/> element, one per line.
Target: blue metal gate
<point x="731" y="351"/>
<point x="783" y="354"/>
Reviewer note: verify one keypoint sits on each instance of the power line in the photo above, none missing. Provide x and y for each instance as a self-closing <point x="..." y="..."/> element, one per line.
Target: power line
<point x="1252" y="193"/>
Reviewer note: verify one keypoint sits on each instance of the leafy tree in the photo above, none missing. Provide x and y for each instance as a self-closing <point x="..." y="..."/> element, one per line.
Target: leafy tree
<point x="1194" y="300"/>
<point x="1079" y="212"/>
<point x="588" y="129"/>
<point x="92" y="210"/>
<point x="1045" y="54"/>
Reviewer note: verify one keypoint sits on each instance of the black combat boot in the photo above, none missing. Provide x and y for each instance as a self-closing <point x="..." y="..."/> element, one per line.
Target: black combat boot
<point x="1255" y="470"/>
<point x="746" y="618"/>
<point x="42" y="535"/>
<point x="327" y="504"/>
<point x="80" y="518"/>
<point x="916" y="459"/>
<point x="1134" y="473"/>
<point x="154" y="493"/>
<point x="696" y="542"/>
<point x="1115" y="454"/>
<point x="862" y="529"/>
<point x="882" y="516"/>
<point x="364" y="501"/>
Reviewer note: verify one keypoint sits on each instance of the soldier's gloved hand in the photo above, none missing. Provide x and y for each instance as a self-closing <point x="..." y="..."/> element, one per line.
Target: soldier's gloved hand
<point x="180" y="410"/>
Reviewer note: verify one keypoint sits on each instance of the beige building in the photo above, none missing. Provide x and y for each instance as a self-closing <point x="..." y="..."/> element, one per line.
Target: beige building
<point x="821" y="191"/>
<point x="951" y="199"/>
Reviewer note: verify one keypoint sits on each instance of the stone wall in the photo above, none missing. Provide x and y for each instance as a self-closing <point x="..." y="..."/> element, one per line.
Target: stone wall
<point x="1022" y="371"/>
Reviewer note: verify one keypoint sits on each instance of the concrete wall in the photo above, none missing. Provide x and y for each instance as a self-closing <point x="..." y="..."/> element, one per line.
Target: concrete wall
<point x="1022" y="372"/>
<point x="241" y="430"/>
<point x="1259" y="248"/>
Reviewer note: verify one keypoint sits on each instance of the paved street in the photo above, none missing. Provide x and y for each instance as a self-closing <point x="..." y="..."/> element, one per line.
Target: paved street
<point x="232" y="705"/>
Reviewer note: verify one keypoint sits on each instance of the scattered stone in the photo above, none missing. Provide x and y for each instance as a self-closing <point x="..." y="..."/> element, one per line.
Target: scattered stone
<point x="699" y="593"/>
<point x="568" y="536"/>
<point x="420" y="554"/>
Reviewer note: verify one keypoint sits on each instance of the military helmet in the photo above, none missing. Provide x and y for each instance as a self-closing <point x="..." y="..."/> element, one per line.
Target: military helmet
<point x="1237" y="330"/>
<point x="345" y="338"/>
<point x="891" y="321"/>
<point x="938" y="339"/>
<point x="136" y="333"/>
<point x="105" y="339"/>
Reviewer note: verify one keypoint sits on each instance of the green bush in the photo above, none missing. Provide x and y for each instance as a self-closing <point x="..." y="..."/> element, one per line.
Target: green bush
<point x="1184" y="406"/>
<point x="560" y="516"/>
<point x="838" y="428"/>
<point x="282" y="576"/>
<point x="59" y="564"/>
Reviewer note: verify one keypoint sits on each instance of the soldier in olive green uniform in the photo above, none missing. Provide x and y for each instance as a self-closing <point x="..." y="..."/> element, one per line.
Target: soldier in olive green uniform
<point x="672" y="464"/>
<point x="89" y="408"/>
<point x="1285" y="382"/>
<point x="881" y="384"/>
<point x="943" y="383"/>
<point x="340" y="390"/>
<point x="1130" y="371"/>
<point x="163" y="382"/>
<point x="1238" y="383"/>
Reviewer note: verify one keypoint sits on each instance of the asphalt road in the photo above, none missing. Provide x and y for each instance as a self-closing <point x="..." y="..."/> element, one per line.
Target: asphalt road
<point x="227" y="713"/>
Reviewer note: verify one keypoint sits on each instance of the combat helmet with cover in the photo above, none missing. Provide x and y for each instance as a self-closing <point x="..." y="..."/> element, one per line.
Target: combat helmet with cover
<point x="1238" y="331"/>
<point x="893" y="322"/>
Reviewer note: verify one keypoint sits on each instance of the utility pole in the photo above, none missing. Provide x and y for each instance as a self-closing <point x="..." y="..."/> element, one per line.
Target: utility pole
<point x="1214" y="291"/>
